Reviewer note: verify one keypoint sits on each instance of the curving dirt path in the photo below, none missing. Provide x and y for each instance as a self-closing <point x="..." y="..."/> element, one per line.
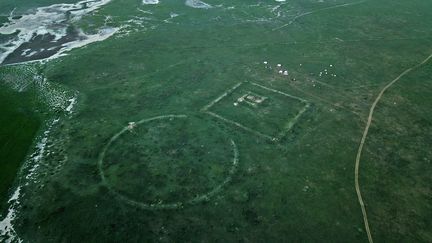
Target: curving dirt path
<point x="365" y="133"/>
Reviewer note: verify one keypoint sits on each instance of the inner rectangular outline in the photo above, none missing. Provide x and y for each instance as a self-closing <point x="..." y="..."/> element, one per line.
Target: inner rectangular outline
<point x="293" y="121"/>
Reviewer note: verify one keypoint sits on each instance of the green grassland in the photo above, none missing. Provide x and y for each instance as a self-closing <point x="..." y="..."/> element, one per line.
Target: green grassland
<point x="297" y="189"/>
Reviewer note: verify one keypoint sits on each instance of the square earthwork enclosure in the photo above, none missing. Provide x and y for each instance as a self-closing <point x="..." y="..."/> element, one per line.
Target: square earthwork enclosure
<point x="263" y="111"/>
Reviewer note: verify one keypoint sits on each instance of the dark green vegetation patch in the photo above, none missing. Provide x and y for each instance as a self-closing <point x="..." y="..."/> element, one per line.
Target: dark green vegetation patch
<point x="18" y="126"/>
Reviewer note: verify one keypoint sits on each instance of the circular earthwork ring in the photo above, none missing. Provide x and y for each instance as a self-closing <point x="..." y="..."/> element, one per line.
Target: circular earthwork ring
<point x="199" y="198"/>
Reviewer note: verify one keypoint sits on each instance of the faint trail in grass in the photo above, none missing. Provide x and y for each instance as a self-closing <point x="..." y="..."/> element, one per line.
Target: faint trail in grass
<point x="162" y="47"/>
<point x="147" y="75"/>
<point x="361" y="86"/>
<point x="316" y="11"/>
<point x="336" y="90"/>
<point x="331" y="103"/>
<point x="365" y="133"/>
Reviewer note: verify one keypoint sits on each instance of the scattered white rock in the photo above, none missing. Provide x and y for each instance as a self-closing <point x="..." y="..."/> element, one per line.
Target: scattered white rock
<point x="279" y="65"/>
<point x="150" y="1"/>
<point x="6" y="227"/>
<point x="72" y="103"/>
<point x="198" y="4"/>
<point x="285" y="73"/>
<point x="47" y="20"/>
<point x="131" y="126"/>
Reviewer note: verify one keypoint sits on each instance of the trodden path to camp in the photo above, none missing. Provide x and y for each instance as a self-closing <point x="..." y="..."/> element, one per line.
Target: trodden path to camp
<point x="315" y="11"/>
<point x="365" y="133"/>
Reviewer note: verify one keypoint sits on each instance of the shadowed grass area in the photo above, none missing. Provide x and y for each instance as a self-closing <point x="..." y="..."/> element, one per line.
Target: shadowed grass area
<point x="18" y="126"/>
